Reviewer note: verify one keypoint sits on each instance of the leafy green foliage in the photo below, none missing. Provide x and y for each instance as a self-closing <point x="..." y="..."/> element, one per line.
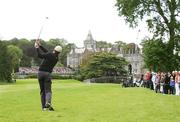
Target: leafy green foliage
<point x="28" y="51"/>
<point x="53" y="76"/>
<point x="5" y="63"/>
<point x="157" y="57"/>
<point x="15" y="54"/>
<point x="162" y="17"/>
<point x="102" y="64"/>
<point x="154" y="53"/>
<point x="103" y="44"/>
<point x="30" y="58"/>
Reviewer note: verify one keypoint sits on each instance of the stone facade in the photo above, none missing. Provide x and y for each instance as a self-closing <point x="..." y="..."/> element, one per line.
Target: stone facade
<point x="74" y="58"/>
<point x="136" y="62"/>
<point x="132" y="55"/>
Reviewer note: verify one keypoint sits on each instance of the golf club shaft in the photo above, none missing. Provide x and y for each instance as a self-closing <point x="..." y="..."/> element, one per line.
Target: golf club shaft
<point x="41" y="29"/>
<point x="39" y="34"/>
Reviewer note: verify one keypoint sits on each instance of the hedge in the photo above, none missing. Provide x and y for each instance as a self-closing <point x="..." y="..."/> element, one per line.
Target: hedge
<point x="53" y="75"/>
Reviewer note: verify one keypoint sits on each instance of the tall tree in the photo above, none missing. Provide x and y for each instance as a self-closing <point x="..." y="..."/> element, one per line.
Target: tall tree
<point x="15" y="54"/>
<point x="121" y="46"/>
<point x="26" y="46"/>
<point x="103" y="44"/>
<point x="57" y="41"/>
<point x="162" y="17"/>
<point x="5" y="63"/>
<point x="103" y="64"/>
<point x="155" y="56"/>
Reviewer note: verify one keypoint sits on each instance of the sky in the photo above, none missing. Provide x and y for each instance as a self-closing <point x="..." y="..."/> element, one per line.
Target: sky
<point x="68" y="19"/>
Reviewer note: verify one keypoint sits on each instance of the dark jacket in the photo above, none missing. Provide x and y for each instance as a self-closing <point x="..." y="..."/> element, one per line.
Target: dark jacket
<point x="49" y="59"/>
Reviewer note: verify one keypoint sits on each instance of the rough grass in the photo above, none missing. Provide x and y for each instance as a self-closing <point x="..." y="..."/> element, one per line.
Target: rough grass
<point x="80" y="102"/>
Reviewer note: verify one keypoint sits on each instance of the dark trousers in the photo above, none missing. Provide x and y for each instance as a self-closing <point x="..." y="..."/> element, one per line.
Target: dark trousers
<point x="166" y="88"/>
<point x="44" y="79"/>
<point x="157" y="88"/>
<point x="172" y="90"/>
<point x="151" y="85"/>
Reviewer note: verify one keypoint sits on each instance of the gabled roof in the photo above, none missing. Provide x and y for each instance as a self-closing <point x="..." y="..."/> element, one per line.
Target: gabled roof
<point x="77" y="50"/>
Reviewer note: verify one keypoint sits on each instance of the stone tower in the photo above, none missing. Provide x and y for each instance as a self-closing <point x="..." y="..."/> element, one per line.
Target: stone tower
<point x="90" y="43"/>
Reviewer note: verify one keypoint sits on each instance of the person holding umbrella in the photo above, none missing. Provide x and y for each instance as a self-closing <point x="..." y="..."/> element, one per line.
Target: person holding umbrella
<point x="49" y="60"/>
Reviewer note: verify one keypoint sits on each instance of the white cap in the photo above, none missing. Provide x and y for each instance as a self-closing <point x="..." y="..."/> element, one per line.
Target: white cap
<point x="58" y="48"/>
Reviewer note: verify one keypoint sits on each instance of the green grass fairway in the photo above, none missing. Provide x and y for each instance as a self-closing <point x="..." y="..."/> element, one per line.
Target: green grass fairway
<point x="75" y="101"/>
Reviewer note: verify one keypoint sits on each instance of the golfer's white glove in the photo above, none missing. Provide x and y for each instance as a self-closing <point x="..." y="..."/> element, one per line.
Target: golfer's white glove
<point x="38" y="42"/>
<point x="36" y="45"/>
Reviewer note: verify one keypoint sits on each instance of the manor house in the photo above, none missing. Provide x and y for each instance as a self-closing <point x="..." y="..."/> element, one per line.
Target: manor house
<point x="132" y="55"/>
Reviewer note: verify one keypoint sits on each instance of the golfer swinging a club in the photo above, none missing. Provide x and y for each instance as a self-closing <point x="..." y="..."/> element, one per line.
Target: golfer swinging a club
<point x="44" y="74"/>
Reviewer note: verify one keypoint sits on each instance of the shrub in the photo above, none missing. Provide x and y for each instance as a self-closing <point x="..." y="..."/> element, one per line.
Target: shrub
<point x="53" y="75"/>
<point x="78" y="77"/>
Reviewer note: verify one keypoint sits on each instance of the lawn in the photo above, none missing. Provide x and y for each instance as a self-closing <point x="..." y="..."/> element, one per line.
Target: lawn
<point x="75" y="101"/>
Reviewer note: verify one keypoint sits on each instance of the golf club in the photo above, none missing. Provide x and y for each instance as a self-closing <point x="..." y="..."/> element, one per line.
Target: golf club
<point x="41" y="29"/>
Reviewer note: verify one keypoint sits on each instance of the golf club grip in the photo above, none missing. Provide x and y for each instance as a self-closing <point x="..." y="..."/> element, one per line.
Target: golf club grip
<point x="37" y="41"/>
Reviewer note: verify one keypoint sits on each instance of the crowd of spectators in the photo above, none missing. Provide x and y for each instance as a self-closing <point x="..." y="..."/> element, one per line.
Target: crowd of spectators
<point x="32" y="70"/>
<point x="160" y="82"/>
